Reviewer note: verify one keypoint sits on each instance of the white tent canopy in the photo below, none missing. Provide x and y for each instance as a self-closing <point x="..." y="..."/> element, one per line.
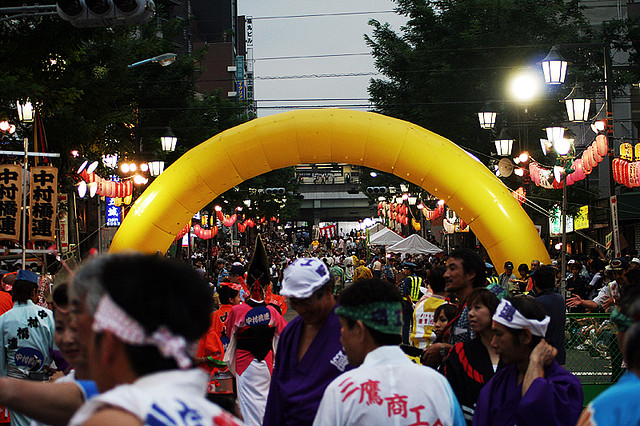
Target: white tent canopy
<point x="384" y="237"/>
<point x="414" y="244"/>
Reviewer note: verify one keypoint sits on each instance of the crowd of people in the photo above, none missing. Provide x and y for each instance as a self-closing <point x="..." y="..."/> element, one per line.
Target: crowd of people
<point x="376" y="339"/>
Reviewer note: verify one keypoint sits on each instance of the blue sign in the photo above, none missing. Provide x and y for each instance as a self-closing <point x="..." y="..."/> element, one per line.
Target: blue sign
<point x="240" y="93"/>
<point x="113" y="213"/>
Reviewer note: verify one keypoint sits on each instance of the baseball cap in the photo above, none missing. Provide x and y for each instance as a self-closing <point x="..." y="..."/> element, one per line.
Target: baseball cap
<point x="488" y="265"/>
<point x="303" y="277"/>
<point x="635" y="260"/>
<point x="508" y="264"/>
<point x="26" y="275"/>
<point x="571" y="262"/>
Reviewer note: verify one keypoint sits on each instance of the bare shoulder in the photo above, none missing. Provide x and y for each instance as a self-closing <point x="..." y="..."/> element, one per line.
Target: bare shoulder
<point x="113" y="416"/>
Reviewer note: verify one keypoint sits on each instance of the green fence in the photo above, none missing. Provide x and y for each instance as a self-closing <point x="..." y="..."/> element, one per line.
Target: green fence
<point x="592" y="352"/>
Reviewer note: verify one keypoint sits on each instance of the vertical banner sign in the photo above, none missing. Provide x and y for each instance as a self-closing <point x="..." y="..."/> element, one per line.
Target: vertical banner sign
<point x="613" y="201"/>
<point x="63" y="223"/>
<point x="240" y="92"/>
<point x="10" y="201"/>
<point x="608" y="239"/>
<point x="249" y="29"/>
<point x="113" y="213"/>
<point x="44" y="203"/>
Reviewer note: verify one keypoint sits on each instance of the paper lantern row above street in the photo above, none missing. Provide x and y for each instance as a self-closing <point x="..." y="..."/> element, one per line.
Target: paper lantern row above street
<point x="394" y="210"/>
<point x="591" y="157"/>
<point x="626" y="172"/>
<point x="108" y="188"/>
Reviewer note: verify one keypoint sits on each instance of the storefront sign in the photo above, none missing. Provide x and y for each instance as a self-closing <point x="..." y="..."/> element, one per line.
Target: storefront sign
<point x="581" y="220"/>
<point x="44" y="203"/>
<point x="10" y="201"/>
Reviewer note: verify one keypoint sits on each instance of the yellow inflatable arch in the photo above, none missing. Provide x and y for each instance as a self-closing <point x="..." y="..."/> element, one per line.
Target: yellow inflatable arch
<point x="332" y="135"/>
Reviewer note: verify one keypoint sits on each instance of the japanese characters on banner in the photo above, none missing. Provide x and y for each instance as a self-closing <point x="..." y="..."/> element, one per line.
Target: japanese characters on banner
<point x="44" y="203"/>
<point x="113" y="213"/>
<point x="10" y="201"/>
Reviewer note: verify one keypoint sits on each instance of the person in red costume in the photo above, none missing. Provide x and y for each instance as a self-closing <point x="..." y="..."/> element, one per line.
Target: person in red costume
<point x="254" y="328"/>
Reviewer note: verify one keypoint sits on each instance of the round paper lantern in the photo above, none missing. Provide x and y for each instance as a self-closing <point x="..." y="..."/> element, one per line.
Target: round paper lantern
<point x="127" y="200"/>
<point x="579" y="172"/>
<point x="616" y="169"/>
<point x="117" y="202"/>
<point x="406" y="221"/>
<point x="602" y="145"/>
<point x="634" y="178"/>
<point x="595" y="153"/>
<point x="625" y="174"/>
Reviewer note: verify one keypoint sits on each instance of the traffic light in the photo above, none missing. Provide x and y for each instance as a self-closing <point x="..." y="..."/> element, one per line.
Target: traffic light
<point x="105" y="13"/>
<point x="275" y="191"/>
<point x="375" y="190"/>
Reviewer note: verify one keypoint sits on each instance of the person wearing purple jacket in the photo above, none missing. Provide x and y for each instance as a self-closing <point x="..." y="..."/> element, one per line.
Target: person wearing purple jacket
<point x="533" y="389"/>
<point x="309" y="354"/>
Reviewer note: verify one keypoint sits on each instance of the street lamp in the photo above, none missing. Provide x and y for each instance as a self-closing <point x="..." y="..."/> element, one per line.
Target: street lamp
<point x="487" y="117"/>
<point x="554" y="67"/>
<point x="504" y="144"/>
<point x="169" y="141"/>
<point x="164" y="60"/>
<point x="554" y="133"/>
<point x="577" y="104"/>
<point x="156" y="167"/>
<point x="25" y="111"/>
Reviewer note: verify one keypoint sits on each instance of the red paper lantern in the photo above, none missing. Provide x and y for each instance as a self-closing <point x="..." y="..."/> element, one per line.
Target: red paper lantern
<point x="602" y="145"/>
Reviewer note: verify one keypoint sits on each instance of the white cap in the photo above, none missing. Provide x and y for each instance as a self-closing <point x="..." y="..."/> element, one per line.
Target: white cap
<point x="635" y="260"/>
<point x="303" y="277"/>
<point x="571" y="262"/>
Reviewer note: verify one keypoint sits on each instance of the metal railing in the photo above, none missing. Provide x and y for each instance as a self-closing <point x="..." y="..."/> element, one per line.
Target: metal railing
<point x="593" y="354"/>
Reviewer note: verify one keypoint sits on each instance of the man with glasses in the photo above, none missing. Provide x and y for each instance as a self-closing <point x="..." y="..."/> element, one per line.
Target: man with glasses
<point x="309" y="354"/>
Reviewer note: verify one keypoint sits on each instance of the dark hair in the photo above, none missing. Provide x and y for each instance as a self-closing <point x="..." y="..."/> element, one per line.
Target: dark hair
<point x="22" y="291"/>
<point x="155" y="291"/>
<point x="226" y="294"/>
<point x="472" y="262"/>
<point x="530" y="309"/>
<point x="484" y="297"/>
<point x="60" y="296"/>
<point x="364" y="292"/>
<point x="544" y="277"/>
<point x="448" y="309"/>
<point x="436" y="279"/>
<point x="523" y="267"/>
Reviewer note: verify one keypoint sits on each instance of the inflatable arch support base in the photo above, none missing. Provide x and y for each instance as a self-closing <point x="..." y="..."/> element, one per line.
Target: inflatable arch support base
<point x="332" y="135"/>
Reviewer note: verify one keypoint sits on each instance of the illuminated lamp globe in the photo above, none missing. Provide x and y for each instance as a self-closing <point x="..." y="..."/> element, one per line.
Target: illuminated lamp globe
<point x="554" y="67"/>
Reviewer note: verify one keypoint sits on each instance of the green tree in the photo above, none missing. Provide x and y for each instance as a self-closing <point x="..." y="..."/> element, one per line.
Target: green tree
<point x="455" y="55"/>
<point x="88" y="98"/>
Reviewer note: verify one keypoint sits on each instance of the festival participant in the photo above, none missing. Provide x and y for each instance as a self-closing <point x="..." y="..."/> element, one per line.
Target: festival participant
<point x="470" y="365"/>
<point x="554" y="306"/>
<point x="139" y="353"/>
<point x="424" y="313"/>
<point x="507" y="279"/>
<point x="617" y="405"/>
<point x="212" y="346"/>
<point x="443" y="314"/>
<point x="465" y="271"/>
<point x="535" y="264"/>
<point x="608" y="294"/>
<point x="309" y="354"/>
<point x="254" y="328"/>
<point x="386" y="387"/>
<point x="410" y="288"/>
<point x="361" y="272"/>
<point x="533" y="389"/>
<point x="26" y="337"/>
<point x="6" y="302"/>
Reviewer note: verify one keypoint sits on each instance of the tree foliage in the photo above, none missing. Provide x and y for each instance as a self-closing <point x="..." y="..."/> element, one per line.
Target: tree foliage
<point x="455" y="55"/>
<point x="92" y="102"/>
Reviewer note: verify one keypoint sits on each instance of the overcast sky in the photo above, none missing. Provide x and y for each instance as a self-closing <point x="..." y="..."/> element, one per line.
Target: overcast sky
<point x="337" y="31"/>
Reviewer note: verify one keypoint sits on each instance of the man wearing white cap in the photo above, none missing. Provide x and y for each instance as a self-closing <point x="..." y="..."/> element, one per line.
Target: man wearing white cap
<point x="533" y="388"/>
<point x="309" y="354"/>
<point x="634" y="263"/>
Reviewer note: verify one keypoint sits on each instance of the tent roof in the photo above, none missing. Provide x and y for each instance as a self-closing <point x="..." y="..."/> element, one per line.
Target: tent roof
<point x="384" y="237"/>
<point x="414" y="244"/>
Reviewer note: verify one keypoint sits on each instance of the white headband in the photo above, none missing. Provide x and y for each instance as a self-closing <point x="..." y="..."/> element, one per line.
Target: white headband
<point x="111" y="317"/>
<point x="508" y="316"/>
